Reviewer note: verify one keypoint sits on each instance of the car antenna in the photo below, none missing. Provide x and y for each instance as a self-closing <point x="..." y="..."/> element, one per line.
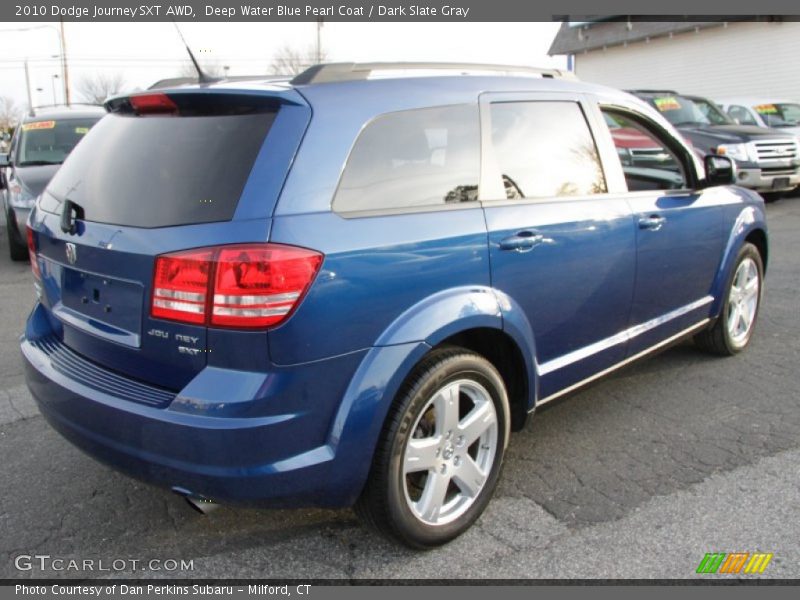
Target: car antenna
<point x="202" y="77"/>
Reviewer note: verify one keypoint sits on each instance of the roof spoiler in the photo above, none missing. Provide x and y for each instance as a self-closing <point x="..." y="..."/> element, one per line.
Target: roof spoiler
<point x="335" y="72"/>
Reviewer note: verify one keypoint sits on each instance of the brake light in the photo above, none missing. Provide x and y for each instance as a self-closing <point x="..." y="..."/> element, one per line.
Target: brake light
<point x="238" y="286"/>
<point x="152" y="103"/>
<point x="32" y="254"/>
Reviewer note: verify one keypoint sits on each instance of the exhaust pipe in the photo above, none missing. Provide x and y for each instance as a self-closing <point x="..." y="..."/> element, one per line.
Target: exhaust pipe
<point x="202" y="505"/>
<point x="199" y="503"/>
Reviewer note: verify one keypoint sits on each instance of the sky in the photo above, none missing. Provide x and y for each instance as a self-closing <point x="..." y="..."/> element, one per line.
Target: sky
<point x="146" y="52"/>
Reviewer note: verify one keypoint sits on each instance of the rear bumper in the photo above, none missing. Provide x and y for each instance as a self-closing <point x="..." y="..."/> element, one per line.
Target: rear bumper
<point x="258" y="454"/>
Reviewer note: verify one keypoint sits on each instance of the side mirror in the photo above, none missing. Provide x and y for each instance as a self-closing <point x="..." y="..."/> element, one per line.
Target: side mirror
<point x="5" y="160"/>
<point x="720" y="170"/>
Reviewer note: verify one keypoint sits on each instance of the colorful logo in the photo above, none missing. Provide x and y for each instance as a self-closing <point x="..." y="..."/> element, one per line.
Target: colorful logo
<point x="734" y="563"/>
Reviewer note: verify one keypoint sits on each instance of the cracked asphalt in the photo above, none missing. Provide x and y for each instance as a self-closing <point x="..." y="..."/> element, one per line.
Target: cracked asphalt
<point x="637" y="476"/>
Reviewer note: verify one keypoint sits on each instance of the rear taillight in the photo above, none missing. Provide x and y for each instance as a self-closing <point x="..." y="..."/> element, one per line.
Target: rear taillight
<point x="180" y="286"/>
<point x="239" y="286"/>
<point x="32" y="254"/>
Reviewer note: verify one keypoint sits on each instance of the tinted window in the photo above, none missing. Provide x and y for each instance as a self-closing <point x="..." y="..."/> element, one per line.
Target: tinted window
<point x="158" y="171"/>
<point x="49" y="141"/>
<point x="545" y="149"/>
<point x="411" y="159"/>
<point x="647" y="162"/>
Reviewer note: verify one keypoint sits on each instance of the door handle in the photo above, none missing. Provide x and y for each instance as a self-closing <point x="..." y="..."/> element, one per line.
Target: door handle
<point x="653" y="222"/>
<point x="524" y="241"/>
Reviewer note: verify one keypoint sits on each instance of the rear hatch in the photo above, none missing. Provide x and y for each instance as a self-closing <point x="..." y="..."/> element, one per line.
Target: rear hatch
<point x="161" y="174"/>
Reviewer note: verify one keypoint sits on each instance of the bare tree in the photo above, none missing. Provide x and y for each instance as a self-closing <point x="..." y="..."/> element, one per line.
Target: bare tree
<point x="288" y="60"/>
<point x="97" y="88"/>
<point x="10" y="113"/>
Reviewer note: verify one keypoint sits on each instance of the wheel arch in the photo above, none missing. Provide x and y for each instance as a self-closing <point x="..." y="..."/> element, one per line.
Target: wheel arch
<point x="758" y="237"/>
<point x="486" y="324"/>
<point x="749" y="226"/>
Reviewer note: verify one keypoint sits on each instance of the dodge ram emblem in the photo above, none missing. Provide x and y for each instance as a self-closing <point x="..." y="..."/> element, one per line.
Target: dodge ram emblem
<point x="72" y="253"/>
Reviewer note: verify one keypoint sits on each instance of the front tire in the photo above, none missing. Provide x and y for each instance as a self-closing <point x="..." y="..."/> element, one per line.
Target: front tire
<point x="440" y="455"/>
<point x="732" y="331"/>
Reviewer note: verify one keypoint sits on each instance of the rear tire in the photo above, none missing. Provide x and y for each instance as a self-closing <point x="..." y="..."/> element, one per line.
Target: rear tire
<point x="441" y="451"/>
<point x="732" y="331"/>
<point x="16" y="251"/>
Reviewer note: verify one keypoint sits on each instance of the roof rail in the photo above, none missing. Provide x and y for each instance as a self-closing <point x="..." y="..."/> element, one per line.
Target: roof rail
<point x="333" y="72"/>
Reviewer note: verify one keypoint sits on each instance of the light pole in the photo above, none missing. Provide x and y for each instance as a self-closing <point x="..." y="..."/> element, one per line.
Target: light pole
<point x="55" y="76"/>
<point x="63" y="47"/>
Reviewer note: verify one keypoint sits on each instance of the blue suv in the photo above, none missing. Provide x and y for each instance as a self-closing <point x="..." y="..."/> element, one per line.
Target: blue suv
<point x="349" y="288"/>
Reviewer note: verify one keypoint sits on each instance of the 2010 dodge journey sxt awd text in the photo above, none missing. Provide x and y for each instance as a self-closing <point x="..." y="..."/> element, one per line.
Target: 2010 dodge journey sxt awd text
<point x="350" y="288"/>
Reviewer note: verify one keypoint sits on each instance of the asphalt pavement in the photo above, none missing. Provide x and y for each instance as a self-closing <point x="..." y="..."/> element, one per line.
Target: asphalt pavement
<point x="638" y="476"/>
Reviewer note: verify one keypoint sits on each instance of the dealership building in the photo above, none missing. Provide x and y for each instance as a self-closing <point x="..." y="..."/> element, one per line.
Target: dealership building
<point x="714" y="59"/>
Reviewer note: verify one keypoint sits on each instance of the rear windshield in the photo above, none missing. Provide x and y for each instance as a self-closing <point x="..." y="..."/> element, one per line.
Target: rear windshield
<point x="159" y="171"/>
<point x="49" y="142"/>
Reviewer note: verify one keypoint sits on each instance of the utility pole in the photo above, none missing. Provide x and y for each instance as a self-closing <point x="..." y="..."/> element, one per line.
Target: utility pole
<point x="64" y="67"/>
<point x="319" y="40"/>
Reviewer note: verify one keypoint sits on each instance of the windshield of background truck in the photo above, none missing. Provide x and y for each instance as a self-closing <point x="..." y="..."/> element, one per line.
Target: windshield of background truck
<point x="48" y="142"/>
<point x="779" y="114"/>
<point x="682" y="111"/>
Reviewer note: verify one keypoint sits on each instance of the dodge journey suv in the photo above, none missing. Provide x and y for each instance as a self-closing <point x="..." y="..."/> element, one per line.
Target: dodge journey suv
<point x="351" y="287"/>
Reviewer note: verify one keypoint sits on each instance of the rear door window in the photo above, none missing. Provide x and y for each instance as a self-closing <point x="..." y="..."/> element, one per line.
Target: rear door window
<point x="411" y="159"/>
<point x="157" y="171"/>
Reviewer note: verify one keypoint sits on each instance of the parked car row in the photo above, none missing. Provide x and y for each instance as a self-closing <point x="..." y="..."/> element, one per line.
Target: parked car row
<point x="767" y="159"/>
<point x="40" y="144"/>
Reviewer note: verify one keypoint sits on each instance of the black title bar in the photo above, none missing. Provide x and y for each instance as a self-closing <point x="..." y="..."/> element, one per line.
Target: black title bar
<point x="388" y="11"/>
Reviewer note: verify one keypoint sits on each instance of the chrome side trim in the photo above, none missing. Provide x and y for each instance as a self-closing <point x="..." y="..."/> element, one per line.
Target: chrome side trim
<point x="621" y="337"/>
<point x="628" y="360"/>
